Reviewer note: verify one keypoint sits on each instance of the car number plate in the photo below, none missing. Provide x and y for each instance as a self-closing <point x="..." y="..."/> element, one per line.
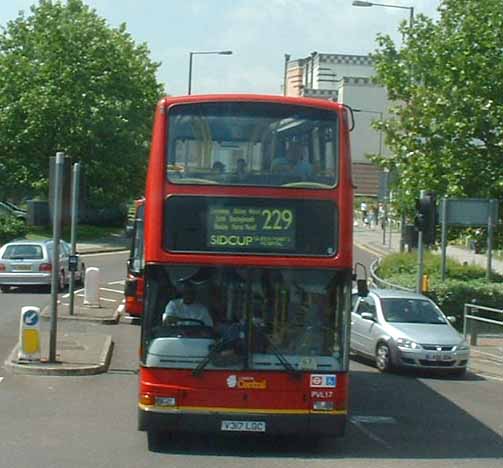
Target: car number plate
<point x="439" y="357"/>
<point x="21" y="267"/>
<point x="243" y="426"/>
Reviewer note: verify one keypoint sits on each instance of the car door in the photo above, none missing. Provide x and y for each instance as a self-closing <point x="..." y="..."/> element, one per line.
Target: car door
<point x="355" y="337"/>
<point x="364" y="329"/>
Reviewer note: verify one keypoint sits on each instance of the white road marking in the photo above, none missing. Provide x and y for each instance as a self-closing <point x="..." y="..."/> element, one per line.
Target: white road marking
<point x="76" y="291"/>
<point x="374" y="419"/>
<point x="117" y="282"/>
<point x="107" y="300"/>
<point x="112" y="290"/>
<point x="117" y="252"/>
<point x="369" y="434"/>
<point x="489" y="377"/>
<point x="1" y="379"/>
<point x="476" y="351"/>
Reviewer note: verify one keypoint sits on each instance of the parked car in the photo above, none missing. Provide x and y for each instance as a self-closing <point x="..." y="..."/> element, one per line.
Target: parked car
<point x="26" y="263"/>
<point x="9" y="209"/>
<point x="405" y="329"/>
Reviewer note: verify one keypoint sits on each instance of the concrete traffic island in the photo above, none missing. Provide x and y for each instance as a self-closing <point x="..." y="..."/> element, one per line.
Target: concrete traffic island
<point x="77" y="354"/>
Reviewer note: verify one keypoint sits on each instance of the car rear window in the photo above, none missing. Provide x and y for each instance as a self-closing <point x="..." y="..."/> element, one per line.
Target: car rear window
<point x="25" y="251"/>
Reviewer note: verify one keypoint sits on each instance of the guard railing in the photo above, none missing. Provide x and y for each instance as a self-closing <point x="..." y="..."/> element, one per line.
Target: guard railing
<point x="475" y="328"/>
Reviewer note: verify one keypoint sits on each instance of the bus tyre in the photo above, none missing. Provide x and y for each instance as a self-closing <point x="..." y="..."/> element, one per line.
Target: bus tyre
<point x="383" y="357"/>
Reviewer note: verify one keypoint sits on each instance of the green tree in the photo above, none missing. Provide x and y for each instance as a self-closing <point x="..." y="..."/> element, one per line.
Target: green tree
<point x="69" y="82"/>
<point x="446" y="128"/>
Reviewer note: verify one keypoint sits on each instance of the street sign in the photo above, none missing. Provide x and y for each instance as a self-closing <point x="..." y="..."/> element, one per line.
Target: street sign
<point x="29" y="334"/>
<point x="470" y="211"/>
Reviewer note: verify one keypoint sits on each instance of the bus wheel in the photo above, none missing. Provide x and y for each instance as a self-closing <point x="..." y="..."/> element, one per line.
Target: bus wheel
<point x="383" y="357"/>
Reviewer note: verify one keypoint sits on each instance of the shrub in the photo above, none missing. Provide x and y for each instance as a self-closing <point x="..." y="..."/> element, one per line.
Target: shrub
<point x="465" y="283"/>
<point x="11" y="228"/>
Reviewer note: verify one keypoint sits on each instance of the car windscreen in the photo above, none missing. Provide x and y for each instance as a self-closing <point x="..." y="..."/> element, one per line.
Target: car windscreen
<point x="23" y="251"/>
<point x="401" y="310"/>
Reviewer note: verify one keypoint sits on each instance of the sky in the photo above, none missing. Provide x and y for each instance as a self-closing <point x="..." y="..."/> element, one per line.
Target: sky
<point x="259" y="32"/>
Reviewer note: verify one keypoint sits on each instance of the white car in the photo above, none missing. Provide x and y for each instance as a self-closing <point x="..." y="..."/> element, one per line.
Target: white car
<point x="29" y="263"/>
<point x="405" y="329"/>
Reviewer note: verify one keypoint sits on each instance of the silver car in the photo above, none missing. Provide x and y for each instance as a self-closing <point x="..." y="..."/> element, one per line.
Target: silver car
<point x="404" y="329"/>
<point x="29" y="263"/>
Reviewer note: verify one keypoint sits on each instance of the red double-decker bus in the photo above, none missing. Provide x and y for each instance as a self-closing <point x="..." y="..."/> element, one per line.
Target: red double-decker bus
<point x="248" y="271"/>
<point x="134" y="286"/>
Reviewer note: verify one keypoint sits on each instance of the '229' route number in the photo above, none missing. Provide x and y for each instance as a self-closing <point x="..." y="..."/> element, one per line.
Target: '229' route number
<point x="277" y="220"/>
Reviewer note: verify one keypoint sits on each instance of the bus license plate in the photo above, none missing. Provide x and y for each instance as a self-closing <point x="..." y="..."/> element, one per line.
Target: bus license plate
<point x="243" y="426"/>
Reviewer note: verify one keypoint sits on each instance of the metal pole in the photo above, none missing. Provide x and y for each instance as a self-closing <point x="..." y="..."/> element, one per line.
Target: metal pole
<point x="443" y="221"/>
<point x="490" y="223"/>
<point x="385" y="214"/>
<point x="56" y="236"/>
<point x="402" y="230"/>
<point x="73" y="239"/>
<point x="285" y="74"/>
<point x="390" y="233"/>
<point x="420" y="256"/>
<point x="190" y="73"/>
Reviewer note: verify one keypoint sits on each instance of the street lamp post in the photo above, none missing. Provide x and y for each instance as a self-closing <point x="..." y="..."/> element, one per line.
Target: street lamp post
<point x="211" y="52"/>
<point x="386" y="178"/>
<point x="359" y="3"/>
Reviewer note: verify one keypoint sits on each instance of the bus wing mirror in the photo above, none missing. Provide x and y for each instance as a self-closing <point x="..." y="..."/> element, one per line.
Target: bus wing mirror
<point x="129" y="230"/>
<point x="362" y="287"/>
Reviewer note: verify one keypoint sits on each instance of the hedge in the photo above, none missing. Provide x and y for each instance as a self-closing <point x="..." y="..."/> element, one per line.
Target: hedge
<point x="11" y="228"/>
<point x="464" y="283"/>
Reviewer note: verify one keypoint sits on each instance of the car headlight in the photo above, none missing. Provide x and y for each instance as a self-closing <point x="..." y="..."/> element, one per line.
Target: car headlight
<point x="463" y="346"/>
<point x="409" y="344"/>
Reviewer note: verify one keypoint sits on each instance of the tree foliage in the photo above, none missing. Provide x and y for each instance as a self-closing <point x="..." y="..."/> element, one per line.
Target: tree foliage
<point x="71" y="83"/>
<point x="446" y="81"/>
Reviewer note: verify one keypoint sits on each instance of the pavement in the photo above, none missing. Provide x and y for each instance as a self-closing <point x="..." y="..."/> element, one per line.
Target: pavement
<point x="77" y="353"/>
<point x="486" y="358"/>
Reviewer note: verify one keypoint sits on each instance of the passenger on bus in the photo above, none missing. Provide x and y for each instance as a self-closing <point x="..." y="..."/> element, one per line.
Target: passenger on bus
<point x="187" y="307"/>
<point x="241" y="172"/>
<point x="299" y="166"/>
<point x="218" y="167"/>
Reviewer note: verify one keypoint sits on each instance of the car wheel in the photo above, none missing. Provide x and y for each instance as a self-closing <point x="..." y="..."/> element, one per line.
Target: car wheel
<point x="383" y="357"/>
<point x="459" y="372"/>
<point x="5" y="289"/>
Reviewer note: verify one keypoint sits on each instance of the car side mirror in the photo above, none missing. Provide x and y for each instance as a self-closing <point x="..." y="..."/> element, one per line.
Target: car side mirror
<point x="368" y="316"/>
<point x="451" y="318"/>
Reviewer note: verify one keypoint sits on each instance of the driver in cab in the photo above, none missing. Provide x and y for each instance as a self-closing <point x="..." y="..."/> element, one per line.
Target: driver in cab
<point x="187" y="308"/>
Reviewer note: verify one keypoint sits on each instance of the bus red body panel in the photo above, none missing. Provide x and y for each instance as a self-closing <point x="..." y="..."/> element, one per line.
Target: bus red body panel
<point x="267" y="253"/>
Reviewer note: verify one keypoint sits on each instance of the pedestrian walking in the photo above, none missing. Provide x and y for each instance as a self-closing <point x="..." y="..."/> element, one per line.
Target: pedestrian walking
<point x="364" y="212"/>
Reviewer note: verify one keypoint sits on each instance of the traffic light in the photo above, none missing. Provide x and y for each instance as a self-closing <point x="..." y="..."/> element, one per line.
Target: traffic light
<point x="426" y="217"/>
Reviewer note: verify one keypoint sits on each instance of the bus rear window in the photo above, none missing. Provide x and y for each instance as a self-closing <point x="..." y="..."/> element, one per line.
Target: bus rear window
<point x="261" y="144"/>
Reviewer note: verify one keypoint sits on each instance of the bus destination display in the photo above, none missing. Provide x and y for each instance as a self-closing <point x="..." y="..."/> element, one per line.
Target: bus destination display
<point x="251" y="228"/>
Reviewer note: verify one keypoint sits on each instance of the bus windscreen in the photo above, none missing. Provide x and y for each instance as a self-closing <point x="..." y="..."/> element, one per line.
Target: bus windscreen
<point x="252" y="143"/>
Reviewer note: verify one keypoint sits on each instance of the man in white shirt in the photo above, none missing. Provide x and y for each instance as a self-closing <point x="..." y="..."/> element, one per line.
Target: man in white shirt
<point x="186" y="308"/>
